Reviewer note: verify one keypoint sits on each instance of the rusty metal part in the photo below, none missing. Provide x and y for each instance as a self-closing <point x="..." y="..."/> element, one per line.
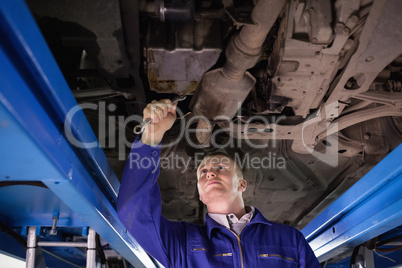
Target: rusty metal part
<point x="356" y="107"/>
<point x="255" y="131"/>
<point x="307" y="53"/>
<point x="211" y="14"/>
<point x="358" y="117"/>
<point x="220" y="96"/>
<point x="177" y="10"/>
<point x="223" y="90"/>
<point x="178" y="54"/>
<point x="308" y="133"/>
<point x="374" y="53"/>
<point x="204" y="130"/>
<point x="387" y="98"/>
<point x="320" y="22"/>
<point x="393" y="85"/>
<point x="168" y="10"/>
<point x="245" y="49"/>
<point x="101" y="93"/>
<point x="237" y="19"/>
<point x="375" y="144"/>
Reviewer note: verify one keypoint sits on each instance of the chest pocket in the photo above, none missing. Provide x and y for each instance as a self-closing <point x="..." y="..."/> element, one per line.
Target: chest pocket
<point x="276" y="256"/>
<point x="213" y="255"/>
<point x="204" y="256"/>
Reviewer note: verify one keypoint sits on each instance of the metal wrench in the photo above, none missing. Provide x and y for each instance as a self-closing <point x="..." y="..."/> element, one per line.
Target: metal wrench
<point x="138" y="129"/>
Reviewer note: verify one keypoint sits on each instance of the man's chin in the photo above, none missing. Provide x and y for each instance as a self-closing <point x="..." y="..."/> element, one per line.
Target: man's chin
<point x="212" y="196"/>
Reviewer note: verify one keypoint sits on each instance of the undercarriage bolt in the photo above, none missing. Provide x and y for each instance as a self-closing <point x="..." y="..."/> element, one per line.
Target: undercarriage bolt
<point x="53" y="231"/>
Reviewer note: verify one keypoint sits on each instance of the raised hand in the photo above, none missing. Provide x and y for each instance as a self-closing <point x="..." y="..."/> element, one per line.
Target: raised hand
<point x="163" y="114"/>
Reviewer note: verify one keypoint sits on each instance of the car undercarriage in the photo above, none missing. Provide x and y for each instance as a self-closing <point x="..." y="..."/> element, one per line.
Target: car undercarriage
<point x="305" y="94"/>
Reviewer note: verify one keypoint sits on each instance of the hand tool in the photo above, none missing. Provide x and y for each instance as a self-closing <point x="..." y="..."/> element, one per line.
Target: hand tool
<point x="138" y="129"/>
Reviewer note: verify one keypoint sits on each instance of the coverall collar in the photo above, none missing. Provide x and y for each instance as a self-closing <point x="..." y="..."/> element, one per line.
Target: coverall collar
<point x="211" y="224"/>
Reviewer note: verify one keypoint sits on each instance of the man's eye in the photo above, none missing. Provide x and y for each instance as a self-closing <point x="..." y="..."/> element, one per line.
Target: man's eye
<point x="221" y="167"/>
<point x="203" y="171"/>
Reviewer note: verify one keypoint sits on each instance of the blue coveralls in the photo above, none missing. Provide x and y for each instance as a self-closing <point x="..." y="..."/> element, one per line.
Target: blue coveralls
<point x="181" y="244"/>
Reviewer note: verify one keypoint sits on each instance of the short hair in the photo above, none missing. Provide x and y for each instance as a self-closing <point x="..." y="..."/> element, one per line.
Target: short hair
<point x="239" y="171"/>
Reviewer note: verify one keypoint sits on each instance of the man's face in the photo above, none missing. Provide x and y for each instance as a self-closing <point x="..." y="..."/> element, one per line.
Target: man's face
<point x="217" y="180"/>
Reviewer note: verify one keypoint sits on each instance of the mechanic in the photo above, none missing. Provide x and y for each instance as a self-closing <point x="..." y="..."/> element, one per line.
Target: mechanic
<point x="234" y="235"/>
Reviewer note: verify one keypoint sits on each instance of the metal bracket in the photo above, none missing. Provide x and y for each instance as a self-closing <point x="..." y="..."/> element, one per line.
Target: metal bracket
<point x="34" y="257"/>
<point x="364" y="258"/>
<point x="387" y="98"/>
<point x="238" y="19"/>
<point x="358" y="117"/>
<point x="91" y="249"/>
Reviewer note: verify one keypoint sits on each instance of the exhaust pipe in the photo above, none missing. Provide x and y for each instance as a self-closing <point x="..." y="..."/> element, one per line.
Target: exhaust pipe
<point x="222" y="90"/>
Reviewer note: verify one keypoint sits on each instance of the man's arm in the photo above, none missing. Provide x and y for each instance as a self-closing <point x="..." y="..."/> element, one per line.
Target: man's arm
<point x="139" y="201"/>
<point x="307" y="258"/>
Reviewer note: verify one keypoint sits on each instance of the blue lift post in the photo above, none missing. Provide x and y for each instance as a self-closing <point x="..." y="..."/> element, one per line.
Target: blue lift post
<point x="371" y="207"/>
<point x="34" y="104"/>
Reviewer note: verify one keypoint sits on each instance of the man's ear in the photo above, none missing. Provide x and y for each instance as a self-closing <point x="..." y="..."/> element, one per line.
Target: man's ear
<point x="242" y="185"/>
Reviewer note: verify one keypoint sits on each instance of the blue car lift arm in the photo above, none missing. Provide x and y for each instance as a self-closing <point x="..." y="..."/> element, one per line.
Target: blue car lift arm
<point x="34" y="104"/>
<point x="369" y="208"/>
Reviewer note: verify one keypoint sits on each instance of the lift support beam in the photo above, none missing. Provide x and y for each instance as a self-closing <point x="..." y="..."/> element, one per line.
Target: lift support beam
<point x="34" y="104"/>
<point x="371" y="207"/>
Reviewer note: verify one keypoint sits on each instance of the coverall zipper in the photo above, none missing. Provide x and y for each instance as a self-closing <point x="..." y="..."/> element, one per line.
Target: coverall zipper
<point x="239" y="242"/>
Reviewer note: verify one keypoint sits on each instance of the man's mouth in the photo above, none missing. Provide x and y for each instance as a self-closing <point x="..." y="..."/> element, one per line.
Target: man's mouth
<point x="211" y="182"/>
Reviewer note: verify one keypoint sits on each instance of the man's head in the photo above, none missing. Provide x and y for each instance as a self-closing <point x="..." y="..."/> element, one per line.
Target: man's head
<point x="220" y="179"/>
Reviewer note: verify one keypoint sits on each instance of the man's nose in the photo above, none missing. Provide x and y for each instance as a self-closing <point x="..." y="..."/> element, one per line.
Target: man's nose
<point x="210" y="174"/>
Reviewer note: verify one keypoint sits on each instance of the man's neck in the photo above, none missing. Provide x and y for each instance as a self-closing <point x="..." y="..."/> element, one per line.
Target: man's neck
<point x="236" y="208"/>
